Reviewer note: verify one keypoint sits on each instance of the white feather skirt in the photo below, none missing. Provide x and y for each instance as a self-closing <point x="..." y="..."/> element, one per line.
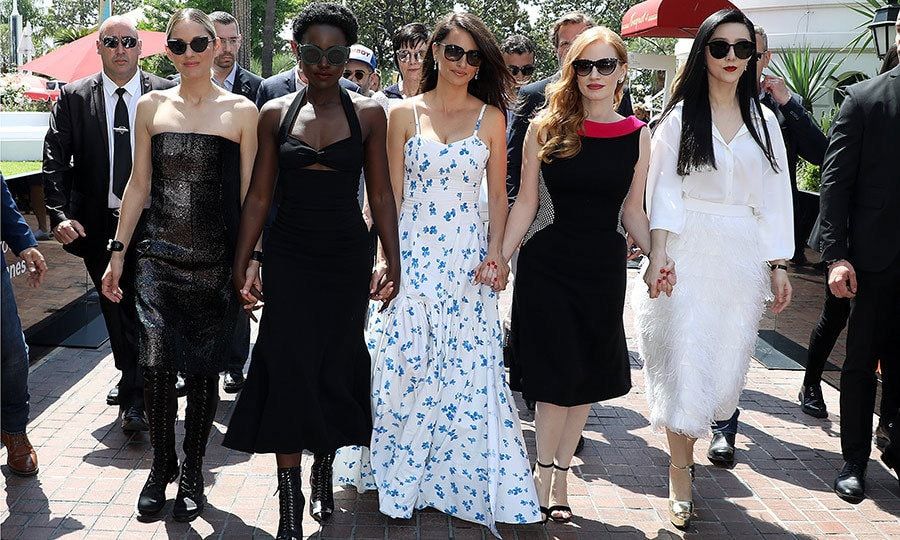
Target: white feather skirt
<point x="696" y="344"/>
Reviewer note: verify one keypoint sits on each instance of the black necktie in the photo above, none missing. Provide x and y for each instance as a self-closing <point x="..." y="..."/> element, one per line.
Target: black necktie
<point x="121" y="146"/>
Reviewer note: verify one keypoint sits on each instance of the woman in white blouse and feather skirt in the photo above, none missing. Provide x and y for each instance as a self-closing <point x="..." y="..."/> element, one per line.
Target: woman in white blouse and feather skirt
<point x="718" y="194"/>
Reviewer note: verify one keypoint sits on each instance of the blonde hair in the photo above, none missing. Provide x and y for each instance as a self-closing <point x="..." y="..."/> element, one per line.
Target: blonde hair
<point x="193" y="15"/>
<point x="564" y="114"/>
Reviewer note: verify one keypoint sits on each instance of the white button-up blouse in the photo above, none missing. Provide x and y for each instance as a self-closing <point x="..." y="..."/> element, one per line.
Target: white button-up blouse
<point x="743" y="177"/>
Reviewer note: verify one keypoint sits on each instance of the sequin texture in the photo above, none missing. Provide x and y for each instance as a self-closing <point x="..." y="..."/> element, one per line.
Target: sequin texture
<point x="185" y="302"/>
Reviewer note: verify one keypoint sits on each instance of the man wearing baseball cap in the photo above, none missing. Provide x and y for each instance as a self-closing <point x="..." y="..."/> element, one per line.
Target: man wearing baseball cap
<point x="361" y="68"/>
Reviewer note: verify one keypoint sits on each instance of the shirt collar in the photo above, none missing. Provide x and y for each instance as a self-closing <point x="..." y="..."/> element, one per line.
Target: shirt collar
<point x="231" y="76"/>
<point x="299" y="82"/>
<point x="133" y="86"/>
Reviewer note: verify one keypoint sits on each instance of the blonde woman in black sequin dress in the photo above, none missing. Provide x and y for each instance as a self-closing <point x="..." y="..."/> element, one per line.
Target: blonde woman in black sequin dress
<point x="194" y="150"/>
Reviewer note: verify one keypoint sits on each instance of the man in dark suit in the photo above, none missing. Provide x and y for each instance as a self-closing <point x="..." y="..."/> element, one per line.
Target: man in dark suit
<point x="531" y="97"/>
<point x="228" y="74"/>
<point x="803" y="138"/>
<point x="861" y="237"/>
<point x="87" y="162"/>
<point x="288" y="82"/>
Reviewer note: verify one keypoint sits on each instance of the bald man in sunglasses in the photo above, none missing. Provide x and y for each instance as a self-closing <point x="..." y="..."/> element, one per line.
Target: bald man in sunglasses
<point x="87" y="162"/>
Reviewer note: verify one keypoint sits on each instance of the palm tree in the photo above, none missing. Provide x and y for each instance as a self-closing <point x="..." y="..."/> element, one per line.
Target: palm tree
<point x="268" y="39"/>
<point x="241" y="10"/>
<point x="64" y="36"/>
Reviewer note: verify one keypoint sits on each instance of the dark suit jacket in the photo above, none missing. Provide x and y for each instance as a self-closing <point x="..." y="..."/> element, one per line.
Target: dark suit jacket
<point x="77" y="161"/>
<point x="861" y="178"/>
<point x="285" y="83"/>
<point x="246" y="83"/>
<point x="530" y="99"/>
<point x="802" y="137"/>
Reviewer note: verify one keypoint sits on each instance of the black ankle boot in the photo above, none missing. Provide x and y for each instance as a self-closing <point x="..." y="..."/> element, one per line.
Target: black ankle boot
<point x="159" y="396"/>
<point x="202" y="400"/>
<point x="290" y="505"/>
<point x="321" y="500"/>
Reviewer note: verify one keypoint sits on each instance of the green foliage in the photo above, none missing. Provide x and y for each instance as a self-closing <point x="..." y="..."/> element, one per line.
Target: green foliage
<point x="866" y="9"/>
<point x="282" y="61"/>
<point x="64" y="36"/>
<point x="68" y="14"/>
<point x="29" y="13"/>
<point x="13" y="99"/>
<point x="13" y="168"/>
<point x="809" y="75"/>
<point x="827" y="119"/>
<point x="809" y="176"/>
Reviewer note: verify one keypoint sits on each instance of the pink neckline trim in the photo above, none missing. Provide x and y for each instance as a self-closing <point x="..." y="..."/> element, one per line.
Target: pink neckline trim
<point x="601" y="130"/>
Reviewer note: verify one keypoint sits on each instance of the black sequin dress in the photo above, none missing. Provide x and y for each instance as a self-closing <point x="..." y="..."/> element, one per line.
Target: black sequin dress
<point x="186" y="304"/>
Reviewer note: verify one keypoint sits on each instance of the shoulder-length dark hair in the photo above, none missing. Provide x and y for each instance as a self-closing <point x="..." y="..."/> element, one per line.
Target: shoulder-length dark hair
<point x="695" y="151"/>
<point x="494" y="83"/>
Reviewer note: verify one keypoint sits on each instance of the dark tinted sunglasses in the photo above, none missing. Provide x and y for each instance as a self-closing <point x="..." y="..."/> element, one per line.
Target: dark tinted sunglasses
<point x="527" y="70"/>
<point x="604" y="66"/>
<point x="455" y="52"/>
<point x="743" y="49"/>
<point x="356" y="74"/>
<point x="112" y="42"/>
<point x="335" y="56"/>
<point x="179" y="47"/>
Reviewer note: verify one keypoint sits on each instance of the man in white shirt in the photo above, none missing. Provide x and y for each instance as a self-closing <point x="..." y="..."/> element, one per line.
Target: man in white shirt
<point x="86" y="165"/>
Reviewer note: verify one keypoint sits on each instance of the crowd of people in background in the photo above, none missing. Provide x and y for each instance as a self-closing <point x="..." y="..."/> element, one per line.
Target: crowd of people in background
<point x="379" y="225"/>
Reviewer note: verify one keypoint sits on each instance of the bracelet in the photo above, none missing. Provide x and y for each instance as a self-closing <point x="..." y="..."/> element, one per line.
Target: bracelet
<point x="257" y="255"/>
<point x="774" y="267"/>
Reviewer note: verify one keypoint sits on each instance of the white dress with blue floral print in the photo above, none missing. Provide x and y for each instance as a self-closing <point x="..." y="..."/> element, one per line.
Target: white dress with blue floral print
<point x="445" y="430"/>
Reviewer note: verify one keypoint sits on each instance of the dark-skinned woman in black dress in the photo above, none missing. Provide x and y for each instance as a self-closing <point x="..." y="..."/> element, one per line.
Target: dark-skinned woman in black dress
<point x="308" y="386"/>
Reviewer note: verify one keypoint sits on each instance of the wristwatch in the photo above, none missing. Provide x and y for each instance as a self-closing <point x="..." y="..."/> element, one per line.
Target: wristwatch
<point x="115" y="245"/>
<point x="257" y="255"/>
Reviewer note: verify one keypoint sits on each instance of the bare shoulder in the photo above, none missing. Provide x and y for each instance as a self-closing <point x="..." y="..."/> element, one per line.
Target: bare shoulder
<point x="493" y="114"/>
<point x="402" y="111"/>
<point x="366" y="106"/>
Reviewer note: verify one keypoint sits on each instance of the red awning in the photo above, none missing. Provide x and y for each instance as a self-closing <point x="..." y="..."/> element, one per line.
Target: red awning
<point x="79" y="59"/>
<point x="669" y="18"/>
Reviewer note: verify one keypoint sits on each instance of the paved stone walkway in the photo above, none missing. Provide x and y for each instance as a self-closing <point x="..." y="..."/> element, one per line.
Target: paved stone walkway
<point x="91" y="474"/>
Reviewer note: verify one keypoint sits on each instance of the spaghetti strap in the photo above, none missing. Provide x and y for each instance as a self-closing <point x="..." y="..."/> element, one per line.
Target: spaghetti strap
<point x="416" y="114"/>
<point x="478" y="122"/>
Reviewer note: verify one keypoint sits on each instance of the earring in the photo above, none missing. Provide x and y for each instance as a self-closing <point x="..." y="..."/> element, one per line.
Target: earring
<point x="476" y="75"/>
<point x="621" y="80"/>
<point x="435" y="65"/>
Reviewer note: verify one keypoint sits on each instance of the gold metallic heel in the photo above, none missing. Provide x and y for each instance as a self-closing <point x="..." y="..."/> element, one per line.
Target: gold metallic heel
<point x="680" y="512"/>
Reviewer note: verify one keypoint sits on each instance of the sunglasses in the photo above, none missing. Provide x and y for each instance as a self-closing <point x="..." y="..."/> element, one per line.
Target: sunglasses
<point x="743" y="49"/>
<point x="605" y="66"/>
<point x="405" y="56"/>
<point x="527" y="70"/>
<point x="179" y="46"/>
<point x="356" y="74"/>
<point x="454" y="53"/>
<point x="335" y="56"/>
<point x="112" y="42"/>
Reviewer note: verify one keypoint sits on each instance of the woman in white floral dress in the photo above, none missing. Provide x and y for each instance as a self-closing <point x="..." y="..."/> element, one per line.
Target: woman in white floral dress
<point x="446" y="433"/>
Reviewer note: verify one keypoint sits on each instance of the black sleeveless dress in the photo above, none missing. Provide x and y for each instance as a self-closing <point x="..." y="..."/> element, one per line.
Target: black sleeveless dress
<point x="186" y="304"/>
<point x="308" y="383"/>
<point x="567" y="337"/>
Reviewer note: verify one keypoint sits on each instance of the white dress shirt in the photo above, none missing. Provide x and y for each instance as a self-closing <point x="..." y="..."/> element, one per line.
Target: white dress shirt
<point x="228" y="83"/>
<point x="743" y="177"/>
<point x="131" y="96"/>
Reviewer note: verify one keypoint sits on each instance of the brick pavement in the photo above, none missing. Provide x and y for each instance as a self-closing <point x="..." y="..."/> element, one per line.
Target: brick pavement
<point x="780" y="487"/>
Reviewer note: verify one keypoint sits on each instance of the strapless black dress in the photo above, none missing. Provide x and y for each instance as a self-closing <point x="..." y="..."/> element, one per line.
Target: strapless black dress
<point x="186" y="304"/>
<point x="309" y="379"/>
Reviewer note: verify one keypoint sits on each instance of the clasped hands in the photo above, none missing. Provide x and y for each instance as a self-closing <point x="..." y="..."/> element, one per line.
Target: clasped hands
<point x="493" y="272"/>
<point x="660" y="275"/>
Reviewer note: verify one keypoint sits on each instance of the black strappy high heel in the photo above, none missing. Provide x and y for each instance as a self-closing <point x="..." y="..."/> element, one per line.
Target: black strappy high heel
<point x="545" y="512"/>
<point x="560" y="507"/>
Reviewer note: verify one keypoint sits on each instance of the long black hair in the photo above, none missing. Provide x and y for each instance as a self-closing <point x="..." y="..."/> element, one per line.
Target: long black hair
<point x="695" y="151"/>
<point x="494" y="83"/>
